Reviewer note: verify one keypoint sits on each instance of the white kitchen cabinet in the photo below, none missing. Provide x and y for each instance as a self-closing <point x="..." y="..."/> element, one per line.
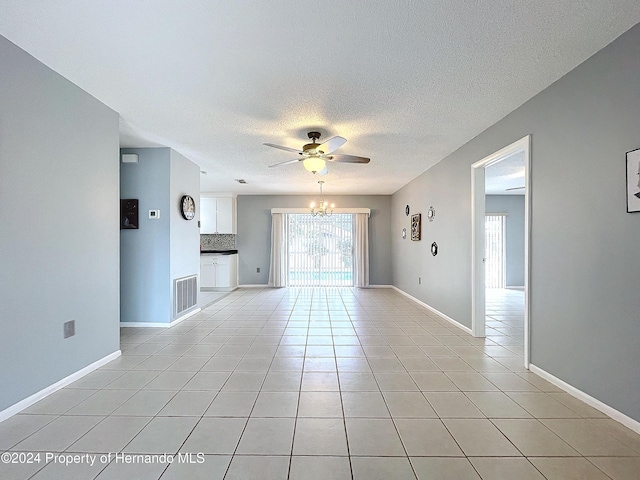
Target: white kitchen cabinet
<point x="208" y="214"/>
<point x="218" y="272"/>
<point x="226" y="215"/>
<point x="207" y="273"/>
<point x="217" y="214"/>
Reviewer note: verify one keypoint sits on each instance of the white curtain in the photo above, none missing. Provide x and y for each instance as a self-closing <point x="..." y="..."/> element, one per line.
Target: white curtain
<point x="279" y="264"/>
<point x="361" y="249"/>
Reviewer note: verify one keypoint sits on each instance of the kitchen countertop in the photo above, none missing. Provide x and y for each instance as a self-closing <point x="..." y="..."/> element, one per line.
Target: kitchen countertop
<point x="218" y="252"/>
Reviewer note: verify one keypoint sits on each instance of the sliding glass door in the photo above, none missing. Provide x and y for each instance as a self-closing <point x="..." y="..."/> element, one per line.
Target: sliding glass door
<point x="320" y="250"/>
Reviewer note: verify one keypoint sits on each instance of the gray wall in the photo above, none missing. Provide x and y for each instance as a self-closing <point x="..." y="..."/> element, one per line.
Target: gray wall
<point x="163" y="249"/>
<point x="585" y="261"/>
<point x="513" y="206"/>
<point x="254" y="232"/>
<point x="58" y="226"/>
<point x="185" y="234"/>
<point x="145" y="290"/>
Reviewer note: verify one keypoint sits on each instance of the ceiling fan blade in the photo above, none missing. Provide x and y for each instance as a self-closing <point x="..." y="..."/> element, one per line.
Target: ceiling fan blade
<point x="348" y="159"/>
<point x="286" y="162"/>
<point x="332" y="145"/>
<point x="283" y="148"/>
<point x="514" y="188"/>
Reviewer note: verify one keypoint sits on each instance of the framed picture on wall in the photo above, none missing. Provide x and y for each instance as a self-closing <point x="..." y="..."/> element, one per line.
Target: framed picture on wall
<point x="633" y="181"/>
<point x="129" y="214"/>
<point x="416" y="226"/>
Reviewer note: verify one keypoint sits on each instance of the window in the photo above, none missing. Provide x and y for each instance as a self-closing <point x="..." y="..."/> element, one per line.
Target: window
<point x="320" y="250"/>
<point x="495" y="250"/>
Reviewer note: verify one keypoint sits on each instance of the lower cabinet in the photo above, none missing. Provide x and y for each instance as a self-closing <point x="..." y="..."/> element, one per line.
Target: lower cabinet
<point x="218" y="272"/>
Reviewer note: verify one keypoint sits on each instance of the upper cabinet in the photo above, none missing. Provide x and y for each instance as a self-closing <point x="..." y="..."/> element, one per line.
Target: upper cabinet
<point x="217" y="214"/>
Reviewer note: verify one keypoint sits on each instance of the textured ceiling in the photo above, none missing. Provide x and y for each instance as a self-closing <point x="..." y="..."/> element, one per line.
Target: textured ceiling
<point x="406" y="82"/>
<point x="505" y="177"/>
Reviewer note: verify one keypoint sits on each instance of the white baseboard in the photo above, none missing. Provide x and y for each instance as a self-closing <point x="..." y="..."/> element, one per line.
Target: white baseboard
<point x="217" y="290"/>
<point x="268" y="286"/>
<point x="185" y="316"/>
<point x="439" y="313"/>
<point x="588" y="399"/>
<point x="159" y="324"/>
<point x="27" y="402"/>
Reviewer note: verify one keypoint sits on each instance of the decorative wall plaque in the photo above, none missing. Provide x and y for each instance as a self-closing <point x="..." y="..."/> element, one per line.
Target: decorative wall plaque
<point x="416" y="226"/>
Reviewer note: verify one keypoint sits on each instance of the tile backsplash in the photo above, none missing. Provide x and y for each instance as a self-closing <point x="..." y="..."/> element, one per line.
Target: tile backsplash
<point x="218" y="241"/>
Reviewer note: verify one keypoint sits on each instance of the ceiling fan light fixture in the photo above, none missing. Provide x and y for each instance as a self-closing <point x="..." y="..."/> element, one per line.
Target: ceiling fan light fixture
<point x="322" y="172"/>
<point x="314" y="164"/>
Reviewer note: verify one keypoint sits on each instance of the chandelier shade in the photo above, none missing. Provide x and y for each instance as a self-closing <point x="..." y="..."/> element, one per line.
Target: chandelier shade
<point x="322" y="208"/>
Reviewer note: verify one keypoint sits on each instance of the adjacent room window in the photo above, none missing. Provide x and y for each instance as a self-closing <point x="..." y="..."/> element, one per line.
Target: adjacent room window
<point x="320" y="250"/>
<point x="495" y="263"/>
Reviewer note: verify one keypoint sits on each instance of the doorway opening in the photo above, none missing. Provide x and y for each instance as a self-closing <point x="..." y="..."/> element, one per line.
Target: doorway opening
<point x="506" y="172"/>
<point x="320" y="250"/>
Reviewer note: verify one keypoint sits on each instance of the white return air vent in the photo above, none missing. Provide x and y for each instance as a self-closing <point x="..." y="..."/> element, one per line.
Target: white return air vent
<point x="186" y="293"/>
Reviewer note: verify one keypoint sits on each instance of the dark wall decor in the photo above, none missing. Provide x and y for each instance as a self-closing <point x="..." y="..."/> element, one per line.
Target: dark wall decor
<point x="416" y="226"/>
<point x="633" y="181"/>
<point x="129" y="214"/>
<point x="434" y="249"/>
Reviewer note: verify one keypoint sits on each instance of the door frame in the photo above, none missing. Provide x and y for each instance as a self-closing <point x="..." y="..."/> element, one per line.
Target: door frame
<point x="478" y="211"/>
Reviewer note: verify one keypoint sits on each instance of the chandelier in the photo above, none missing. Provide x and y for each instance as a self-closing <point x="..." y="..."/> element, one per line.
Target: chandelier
<point x="323" y="208"/>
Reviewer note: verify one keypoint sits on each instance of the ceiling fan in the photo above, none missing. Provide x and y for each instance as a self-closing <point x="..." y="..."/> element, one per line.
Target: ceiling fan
<point x="314" y="155"/>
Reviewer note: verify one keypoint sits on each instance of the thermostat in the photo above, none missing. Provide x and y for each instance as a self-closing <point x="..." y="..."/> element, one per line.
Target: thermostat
<point x="154" y="214"/>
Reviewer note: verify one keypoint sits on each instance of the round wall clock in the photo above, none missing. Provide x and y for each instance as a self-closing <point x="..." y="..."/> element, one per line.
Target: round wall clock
<point x="406" y="210"/>
<point x="188" y="207"/>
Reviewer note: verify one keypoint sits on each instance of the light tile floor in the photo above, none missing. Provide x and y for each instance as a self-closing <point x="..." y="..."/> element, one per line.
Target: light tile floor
<point x="319" y="384"/>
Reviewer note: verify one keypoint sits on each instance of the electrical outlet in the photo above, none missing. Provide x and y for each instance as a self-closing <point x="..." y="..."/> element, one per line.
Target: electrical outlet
<point x="69" y="328"/>
<point x="419" y="280"/>
<point x="258" y="270"/>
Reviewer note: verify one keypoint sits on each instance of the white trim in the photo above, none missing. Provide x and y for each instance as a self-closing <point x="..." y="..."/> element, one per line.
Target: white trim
<point x="27" y="402"/>
<point x="588" y="399"/>
<point x="185" y="316"/>
<point x="477" y="239"/>
<point x="514" y="287"/>
<point x="446" y="317"/>
<point x="267" y="286"/>
<point x="478" y="214"/>
<point x="218" y="289"/>
<point x="218" y="195"/>
<point x="160" y="324"/>
<point x="335" y="210"/>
